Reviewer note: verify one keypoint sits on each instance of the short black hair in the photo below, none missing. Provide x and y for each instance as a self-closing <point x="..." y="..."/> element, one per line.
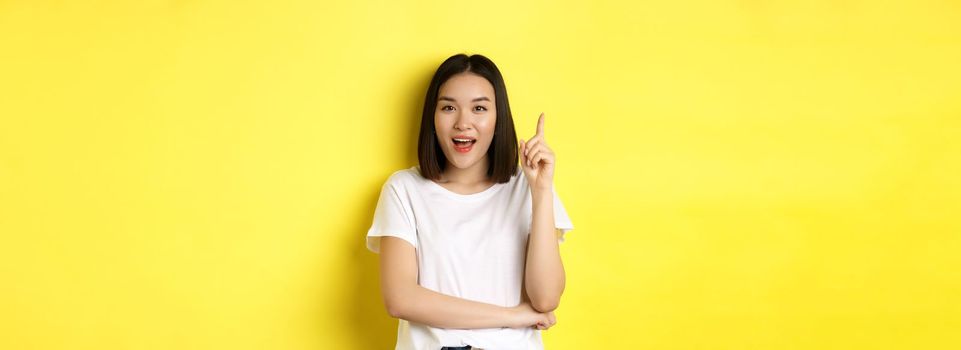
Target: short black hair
<point x="502" y="154"/>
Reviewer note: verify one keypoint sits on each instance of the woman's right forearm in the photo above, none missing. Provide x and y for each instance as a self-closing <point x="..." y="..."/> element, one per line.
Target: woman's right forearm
<point x="425" y="306"/>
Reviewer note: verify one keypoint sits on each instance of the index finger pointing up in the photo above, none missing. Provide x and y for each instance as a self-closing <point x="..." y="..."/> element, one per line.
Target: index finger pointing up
<point x="540" y="125"/>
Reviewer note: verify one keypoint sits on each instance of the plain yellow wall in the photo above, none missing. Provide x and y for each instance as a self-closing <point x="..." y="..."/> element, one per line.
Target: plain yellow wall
<point x="741" y="174"/>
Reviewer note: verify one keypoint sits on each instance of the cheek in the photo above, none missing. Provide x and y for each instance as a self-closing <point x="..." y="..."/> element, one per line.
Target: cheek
<point x="488" y="125"/>
<point x="440" y="128"/>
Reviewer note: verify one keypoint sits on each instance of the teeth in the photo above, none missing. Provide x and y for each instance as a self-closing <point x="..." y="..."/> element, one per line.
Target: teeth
<point x="462" y="140"/>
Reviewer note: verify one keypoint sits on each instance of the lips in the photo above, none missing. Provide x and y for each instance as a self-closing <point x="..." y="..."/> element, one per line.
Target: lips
<point x="463" y="143"/>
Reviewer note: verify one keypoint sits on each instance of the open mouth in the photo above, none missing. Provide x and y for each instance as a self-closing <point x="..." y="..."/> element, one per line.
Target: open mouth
<point x="463" y="145"/>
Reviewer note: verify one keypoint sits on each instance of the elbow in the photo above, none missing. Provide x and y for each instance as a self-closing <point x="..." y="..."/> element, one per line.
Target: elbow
<point x="545" y="305"/>
<point x="394" y="312"/>
<point x="397" y="301"/>
<point x="394" y="303"/>
<point x="394" y="309"/>
<point x="545" y="301"/>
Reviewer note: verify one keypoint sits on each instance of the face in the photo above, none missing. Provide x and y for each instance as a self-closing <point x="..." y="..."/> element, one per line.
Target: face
<point x="464" y="119"/>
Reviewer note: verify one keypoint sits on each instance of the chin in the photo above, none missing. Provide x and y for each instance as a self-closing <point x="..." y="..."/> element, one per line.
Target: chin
<point x="463" y="164"/>
<point x="465" y="161"/>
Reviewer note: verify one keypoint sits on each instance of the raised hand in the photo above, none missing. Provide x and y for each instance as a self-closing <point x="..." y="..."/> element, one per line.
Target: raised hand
<point x="537" y="159"/>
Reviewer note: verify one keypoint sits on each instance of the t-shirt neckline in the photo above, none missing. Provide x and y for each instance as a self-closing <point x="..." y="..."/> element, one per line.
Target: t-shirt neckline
<point x="486" y="192"/>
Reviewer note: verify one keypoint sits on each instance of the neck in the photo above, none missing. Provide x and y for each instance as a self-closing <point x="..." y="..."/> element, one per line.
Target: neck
<point x="476" y="173"/>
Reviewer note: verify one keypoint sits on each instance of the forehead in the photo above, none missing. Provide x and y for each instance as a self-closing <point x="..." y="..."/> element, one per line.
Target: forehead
<point x="466" y="86"/>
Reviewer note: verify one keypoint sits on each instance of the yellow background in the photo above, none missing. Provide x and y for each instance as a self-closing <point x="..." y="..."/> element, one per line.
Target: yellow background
<point x="741" y="174"/>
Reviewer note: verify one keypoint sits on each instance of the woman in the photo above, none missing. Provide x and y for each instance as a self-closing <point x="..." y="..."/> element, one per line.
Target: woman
<point x="468" y="246"/>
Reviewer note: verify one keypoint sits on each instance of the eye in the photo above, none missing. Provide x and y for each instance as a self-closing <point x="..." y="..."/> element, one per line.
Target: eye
<point x="445" y="108"/>
<point x="480" y="108"/>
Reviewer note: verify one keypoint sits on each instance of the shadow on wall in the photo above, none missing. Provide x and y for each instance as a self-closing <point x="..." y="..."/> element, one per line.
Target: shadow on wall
<point x="365" y="314"/>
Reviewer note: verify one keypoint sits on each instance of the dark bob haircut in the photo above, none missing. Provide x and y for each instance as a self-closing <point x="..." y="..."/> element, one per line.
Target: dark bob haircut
<point x="502" y="154"/>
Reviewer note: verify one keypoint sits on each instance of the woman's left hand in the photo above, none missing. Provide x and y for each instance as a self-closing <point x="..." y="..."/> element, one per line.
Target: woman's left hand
<point x="537" y="160"/>
<point x="551" y="321"/>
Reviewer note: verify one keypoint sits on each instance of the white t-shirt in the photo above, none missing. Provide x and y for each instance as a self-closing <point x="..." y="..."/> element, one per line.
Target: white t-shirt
<point x="468" y="246"/>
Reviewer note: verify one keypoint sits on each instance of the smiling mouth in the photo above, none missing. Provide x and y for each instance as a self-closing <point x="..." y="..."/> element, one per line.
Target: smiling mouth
<point x="463" y="142"/>
<point x="463" y="145"/>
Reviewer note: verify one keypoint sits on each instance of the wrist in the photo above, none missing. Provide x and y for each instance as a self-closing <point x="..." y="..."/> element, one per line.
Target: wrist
<point x="541" y="190"/>
<point x="510" y="316"/>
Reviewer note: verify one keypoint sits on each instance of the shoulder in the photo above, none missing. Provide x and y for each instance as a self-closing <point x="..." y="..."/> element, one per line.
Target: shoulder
<point x="404" y="178"/>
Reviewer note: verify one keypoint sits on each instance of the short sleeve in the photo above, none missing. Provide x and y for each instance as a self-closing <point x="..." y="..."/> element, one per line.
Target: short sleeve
<point x="392" y="217"/>
<point x="561" y="221"/>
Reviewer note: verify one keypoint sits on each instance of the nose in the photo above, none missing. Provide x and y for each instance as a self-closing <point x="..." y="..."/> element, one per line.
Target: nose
<point x="462" y="122"/>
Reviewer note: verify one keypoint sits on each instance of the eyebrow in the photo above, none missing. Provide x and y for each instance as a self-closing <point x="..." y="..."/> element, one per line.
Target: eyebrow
<point x="445" y="98"/>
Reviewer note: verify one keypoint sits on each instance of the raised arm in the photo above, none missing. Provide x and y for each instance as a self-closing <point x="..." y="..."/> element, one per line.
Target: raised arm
<point x="407" y="300"/>
<point x="544" y="273"/>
